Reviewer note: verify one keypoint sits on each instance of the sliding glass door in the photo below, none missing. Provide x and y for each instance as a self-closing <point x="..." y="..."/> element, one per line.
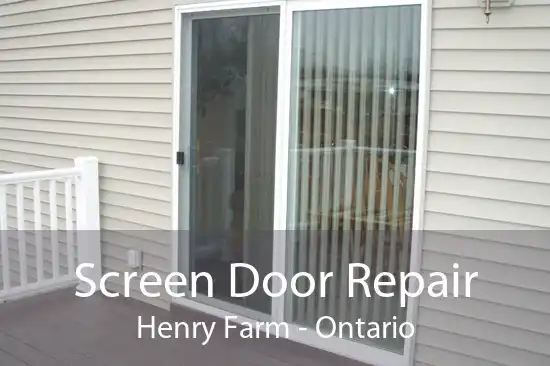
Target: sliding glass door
<point x="353" y="121"/>
<point x="231" y="59"/>
<point x="300" y="120"/>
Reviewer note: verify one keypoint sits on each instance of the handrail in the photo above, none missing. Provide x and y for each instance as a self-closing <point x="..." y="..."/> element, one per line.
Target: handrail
<point x="27" y="177"/>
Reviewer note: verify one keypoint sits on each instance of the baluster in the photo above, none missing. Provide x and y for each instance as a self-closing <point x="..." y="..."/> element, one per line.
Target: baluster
<point x="69" y="225"/>
<point x="38" y="231"/>
<point x="53" y="228"/>
<point x="21" y="237"/>
<point x="4" y="239"/>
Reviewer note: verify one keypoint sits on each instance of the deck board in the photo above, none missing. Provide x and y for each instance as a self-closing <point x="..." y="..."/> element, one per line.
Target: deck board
<point x="59" y="329"/>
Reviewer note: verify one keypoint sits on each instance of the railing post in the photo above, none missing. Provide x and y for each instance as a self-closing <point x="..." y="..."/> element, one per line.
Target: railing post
<point x="87" y="219"/>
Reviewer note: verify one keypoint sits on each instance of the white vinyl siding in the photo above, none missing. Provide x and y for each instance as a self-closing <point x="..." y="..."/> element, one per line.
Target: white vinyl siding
<point x="488" y="168"/>
<point x="95" y="78"/>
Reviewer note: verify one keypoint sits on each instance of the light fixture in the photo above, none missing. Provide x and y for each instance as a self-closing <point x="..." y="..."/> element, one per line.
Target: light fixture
<point x="488" y="6"/>
<point x="391" y="90"/>
<point x="488" y="10"/>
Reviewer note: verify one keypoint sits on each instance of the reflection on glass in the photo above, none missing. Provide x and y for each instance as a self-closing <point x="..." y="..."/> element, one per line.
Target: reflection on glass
<point x="233" y="141"/>
<point x="354" y="116"/>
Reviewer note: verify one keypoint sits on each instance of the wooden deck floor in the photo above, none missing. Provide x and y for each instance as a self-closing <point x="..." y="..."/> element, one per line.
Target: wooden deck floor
<point x="58" y="329"/>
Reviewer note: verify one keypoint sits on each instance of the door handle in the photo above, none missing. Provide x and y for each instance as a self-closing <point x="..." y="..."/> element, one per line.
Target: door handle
<point x="180" y="158"/>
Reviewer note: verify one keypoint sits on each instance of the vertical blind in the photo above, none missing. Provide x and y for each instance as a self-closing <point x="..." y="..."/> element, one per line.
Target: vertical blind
<point x="353" y="115"/>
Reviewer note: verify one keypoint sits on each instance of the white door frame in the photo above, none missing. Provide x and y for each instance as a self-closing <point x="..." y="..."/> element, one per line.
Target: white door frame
<point x="346" y="348"/>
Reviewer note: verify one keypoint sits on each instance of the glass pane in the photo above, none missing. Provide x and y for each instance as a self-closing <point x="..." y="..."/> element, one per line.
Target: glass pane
<point x="233" y="121"/>
<point x="354" y="117"/>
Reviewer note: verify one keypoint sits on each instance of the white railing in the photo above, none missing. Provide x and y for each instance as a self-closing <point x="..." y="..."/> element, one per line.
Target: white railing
<point x="45" y="234"/>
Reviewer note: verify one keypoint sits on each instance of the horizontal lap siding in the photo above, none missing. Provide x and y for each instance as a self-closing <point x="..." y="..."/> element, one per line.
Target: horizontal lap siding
<point x="488" y="168"/>
<point x="86" y="77"/>
<point x="94" y="78"/>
